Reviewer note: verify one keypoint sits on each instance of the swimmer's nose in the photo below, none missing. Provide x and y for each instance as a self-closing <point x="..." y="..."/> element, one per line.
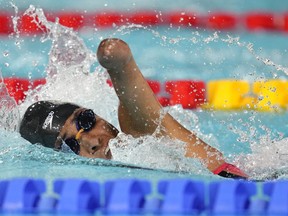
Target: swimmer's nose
<point x="98" y="145"/>
<point x="94" y="148"/>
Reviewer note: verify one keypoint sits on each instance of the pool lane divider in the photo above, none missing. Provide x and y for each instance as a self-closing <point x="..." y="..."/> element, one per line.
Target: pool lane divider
<point x="222" y="20"/>
<point x="136" y="196"/>
<point x="18" y="87"/>
<point x="225" y="94"/>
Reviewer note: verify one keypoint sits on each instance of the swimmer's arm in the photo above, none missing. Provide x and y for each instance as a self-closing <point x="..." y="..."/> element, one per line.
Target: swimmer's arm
<point x="139" y="109"/>
<point x="197" y="148"/>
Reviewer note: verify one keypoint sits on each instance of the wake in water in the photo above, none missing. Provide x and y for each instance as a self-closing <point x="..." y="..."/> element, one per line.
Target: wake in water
<point x="70" y="79"/>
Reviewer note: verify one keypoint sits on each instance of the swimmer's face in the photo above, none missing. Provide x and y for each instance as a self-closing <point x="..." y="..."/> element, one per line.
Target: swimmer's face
<point x="93" y="142"/>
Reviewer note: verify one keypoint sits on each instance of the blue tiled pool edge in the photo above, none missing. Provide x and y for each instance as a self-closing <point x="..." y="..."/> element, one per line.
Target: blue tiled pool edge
<point x="137" y="196"/>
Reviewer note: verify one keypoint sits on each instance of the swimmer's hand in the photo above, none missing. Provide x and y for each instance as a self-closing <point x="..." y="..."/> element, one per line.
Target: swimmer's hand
<point x="230" y="171"/>
<point x="113" y="53"/>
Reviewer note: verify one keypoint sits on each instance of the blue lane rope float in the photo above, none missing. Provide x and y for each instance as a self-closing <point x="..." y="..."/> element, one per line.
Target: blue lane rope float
<point x="182" y="195"/>
<point x="126" y="195"/>
<point x="21" y="194"/>
<point x="230" y="196"/>
<point x="278" y="197"/>
<point x="77" y="195"/>
<point x="134" y="196"/>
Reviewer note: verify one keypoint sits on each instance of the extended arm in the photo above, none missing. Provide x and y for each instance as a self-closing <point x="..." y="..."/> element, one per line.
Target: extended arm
<point x="139" y="109"/>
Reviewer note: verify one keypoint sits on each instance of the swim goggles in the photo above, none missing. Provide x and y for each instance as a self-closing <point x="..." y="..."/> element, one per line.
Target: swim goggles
<point x="84" y="122"/>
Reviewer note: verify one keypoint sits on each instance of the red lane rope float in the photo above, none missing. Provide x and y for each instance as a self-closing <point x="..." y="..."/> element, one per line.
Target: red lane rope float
<point x="156" y="88"/>
<point x="70" y="19"/>
<point x="17" y="87"/>
<point x="38" y="82"/>
<point x="6" y="26"/>
<point x="250" y="21"/>
<point x="144" y="18"/>
<point x="182" y="19"/>
<point x="222" y="21"/>
<point x="286" y="22"/>
<point x="107" y="19"/>
<point x="190" y="94"/>
<point x="263" y="21"/>
<point x="27" y="26"/>
<point x="112" y="19"/>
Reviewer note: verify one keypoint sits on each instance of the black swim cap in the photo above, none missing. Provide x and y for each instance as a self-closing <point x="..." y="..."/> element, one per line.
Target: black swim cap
<point x="43" y="121"/>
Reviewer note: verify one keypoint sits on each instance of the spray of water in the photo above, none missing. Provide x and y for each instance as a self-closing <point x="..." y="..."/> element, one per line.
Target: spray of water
<point x="69" y="78"/>
<point x="250" y="48"/>
<point x="9" y="112"/>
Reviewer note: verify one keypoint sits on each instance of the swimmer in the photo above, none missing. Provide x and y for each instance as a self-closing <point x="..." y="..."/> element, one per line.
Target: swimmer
<point x="88" y="135"/>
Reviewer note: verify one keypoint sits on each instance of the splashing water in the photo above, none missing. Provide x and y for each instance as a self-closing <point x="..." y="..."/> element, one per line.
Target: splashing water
<point x="9" y="112"/>
<point x="70" y="79"/>
<point x="68" y="72"/>
<point x="250" y="48"/>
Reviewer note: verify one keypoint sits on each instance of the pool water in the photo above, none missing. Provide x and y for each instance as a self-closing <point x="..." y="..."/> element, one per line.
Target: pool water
<point x="254" y="141"/>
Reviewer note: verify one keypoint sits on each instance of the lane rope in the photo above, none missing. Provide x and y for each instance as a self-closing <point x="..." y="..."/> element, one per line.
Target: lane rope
<point x="222" y="21"/>
<point x="269" y="95"/>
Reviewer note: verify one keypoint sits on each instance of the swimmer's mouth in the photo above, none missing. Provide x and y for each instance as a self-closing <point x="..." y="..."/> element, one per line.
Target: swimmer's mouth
<point x="108" y="153"/>
<point x="107" y="150"/>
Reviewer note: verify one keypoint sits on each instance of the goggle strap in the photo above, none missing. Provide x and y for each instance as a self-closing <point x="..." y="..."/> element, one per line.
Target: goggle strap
<point x="77" y="137"/>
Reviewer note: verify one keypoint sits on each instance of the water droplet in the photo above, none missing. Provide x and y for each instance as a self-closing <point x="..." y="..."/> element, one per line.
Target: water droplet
<point x="6" y="53"/>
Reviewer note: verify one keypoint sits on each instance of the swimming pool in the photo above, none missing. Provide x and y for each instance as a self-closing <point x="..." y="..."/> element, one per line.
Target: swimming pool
<point x="253" y="140"/>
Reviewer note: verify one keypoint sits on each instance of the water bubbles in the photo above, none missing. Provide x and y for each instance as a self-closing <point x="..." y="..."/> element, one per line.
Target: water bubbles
<point x="273" y="89"/>
<point x="194" y="40"/>
<point x="18" y="43"/>
<point x="6" y="53"/>
<point x="250" y="47"/>
<point x="211" y="38"/>
<point x="232" y="40"/>
<point x="35" y="63"/>
<point x="266" y="61"/>
<point x="275" y="75"/>
<point x="174" y="40"/>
